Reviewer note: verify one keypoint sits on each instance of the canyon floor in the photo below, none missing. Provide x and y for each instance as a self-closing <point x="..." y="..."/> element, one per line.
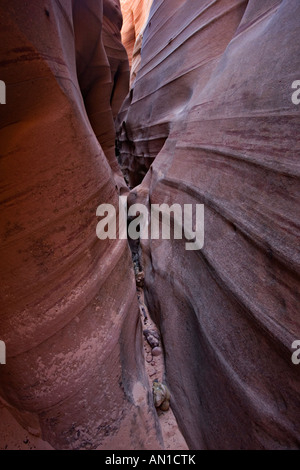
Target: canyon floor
<point x="155" y="368"/>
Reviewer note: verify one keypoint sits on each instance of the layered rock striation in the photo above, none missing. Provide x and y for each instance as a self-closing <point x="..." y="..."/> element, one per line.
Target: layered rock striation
<point x="135" y="15"/>
<point x="116" y="53"/>
<point x="69" y="315"/>
<point x="211" y="110"/>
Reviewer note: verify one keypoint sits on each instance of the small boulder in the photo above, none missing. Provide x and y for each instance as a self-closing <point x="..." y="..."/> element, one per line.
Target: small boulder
<point x="156" y="351"/>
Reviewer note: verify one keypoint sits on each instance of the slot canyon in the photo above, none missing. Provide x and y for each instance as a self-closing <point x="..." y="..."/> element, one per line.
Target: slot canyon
<point x="171" y="102"/>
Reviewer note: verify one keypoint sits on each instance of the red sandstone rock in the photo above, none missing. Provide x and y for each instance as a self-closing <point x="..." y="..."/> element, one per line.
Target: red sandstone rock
<point x="116" y="53"/>
<point x="212" y="102"/>
<point x="136" y="53"/>
<point x="69" y="314"/>
<point x="179" y="53"/>
<point x="135" y="14"/>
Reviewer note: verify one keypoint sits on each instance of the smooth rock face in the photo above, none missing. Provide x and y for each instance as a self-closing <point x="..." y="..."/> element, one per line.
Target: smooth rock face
<point x="69" y="314"/>
<point x="135" y="14"/>
<point x="180" y="51"/>
<point x="116" y="53"/>
<point x="214" y="90"/>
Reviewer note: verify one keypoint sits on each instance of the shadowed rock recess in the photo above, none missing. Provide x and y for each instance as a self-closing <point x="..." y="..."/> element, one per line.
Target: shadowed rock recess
<point x="209" y="120"/>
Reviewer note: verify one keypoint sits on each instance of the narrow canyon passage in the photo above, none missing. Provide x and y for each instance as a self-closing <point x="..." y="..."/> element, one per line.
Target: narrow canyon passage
<point x="155" y="368"/>
<point x="97" y="337"/>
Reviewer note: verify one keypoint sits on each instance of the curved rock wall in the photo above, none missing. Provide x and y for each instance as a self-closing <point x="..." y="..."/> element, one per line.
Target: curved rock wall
<point x="69" y="314"/>
<point x="212" y="102"/>
<point x="116" y="53"/>
<point x="180" y="51"/>
<point x="135" y="14"/>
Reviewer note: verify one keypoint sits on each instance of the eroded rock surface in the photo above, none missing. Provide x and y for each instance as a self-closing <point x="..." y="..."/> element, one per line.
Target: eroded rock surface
<point x="212" y="102"/>
<point x="135" y="15"/>
<point x="116" y="53"/>
<point x="69" y="314"/>
<point x="180" y="51"/>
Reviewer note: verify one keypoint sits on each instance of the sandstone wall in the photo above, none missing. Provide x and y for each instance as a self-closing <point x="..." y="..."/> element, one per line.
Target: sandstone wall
<point x="69" y="315"/>
<point x="116" y="53"/>
<point x="180" y="51"/>
<point x="212" y="105"/>
<point x="135" y="14"/>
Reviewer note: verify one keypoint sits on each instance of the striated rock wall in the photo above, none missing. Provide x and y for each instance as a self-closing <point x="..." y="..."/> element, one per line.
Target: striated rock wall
<point x="69" y="315"/>
<point x="136" y="53"/>
<point x="180" y="51"/>
<point x="212" y="102"/>
<point x="116" y="53"/>
<point x="135" y="14"/>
